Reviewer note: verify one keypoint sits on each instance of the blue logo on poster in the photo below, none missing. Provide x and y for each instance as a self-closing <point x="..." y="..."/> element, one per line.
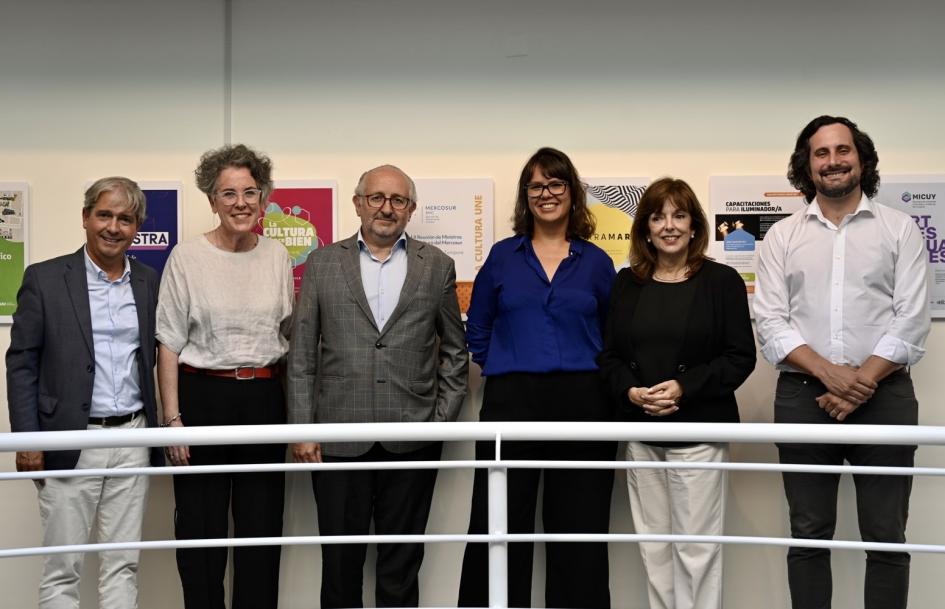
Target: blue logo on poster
<point x="739" y="241"/>
<point x="906" y="197"/>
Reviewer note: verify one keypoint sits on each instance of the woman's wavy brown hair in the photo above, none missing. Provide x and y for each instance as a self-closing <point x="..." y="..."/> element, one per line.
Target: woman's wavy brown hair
<point x="553" y="164"/>
<point x="643" y="253"/>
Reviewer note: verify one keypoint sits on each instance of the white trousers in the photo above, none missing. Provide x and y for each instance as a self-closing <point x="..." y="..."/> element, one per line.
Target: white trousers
<point x="683" y="502"/>
<point x="70" y="507"/>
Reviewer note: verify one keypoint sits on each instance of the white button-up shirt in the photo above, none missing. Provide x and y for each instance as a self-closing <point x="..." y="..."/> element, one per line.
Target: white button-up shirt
<point x="847" y="291"/>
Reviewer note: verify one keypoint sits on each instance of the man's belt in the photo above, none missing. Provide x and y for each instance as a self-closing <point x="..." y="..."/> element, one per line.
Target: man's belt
<point x="242" y="373"/>
<point x="114" y="421"/>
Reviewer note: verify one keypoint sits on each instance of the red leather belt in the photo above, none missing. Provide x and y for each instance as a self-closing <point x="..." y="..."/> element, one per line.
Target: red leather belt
<point x="243" y="373"/>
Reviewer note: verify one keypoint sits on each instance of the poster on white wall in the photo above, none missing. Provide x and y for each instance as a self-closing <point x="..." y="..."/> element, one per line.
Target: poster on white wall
<point x="14" y="245"/>
<point x="923" y="198"/>
<point x="744" y="208"/>
<point x="613" y="203"/>
<point x="303" y="216"/>
<point x="456" y="215"/>
<point x="161" y="229"/>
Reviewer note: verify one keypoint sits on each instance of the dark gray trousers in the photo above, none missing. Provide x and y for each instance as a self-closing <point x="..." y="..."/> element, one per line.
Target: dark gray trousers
<point x="882" y="501"/>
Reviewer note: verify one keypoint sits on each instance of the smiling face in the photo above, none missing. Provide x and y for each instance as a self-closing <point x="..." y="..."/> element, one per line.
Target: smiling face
<point x="241" y="217"/>
<point x="382" y="226"/>
<point x="835" y="166"/>
<point x="110" y="226"/>
<point x="546" y="207"/>
<point x="670" y="230"/>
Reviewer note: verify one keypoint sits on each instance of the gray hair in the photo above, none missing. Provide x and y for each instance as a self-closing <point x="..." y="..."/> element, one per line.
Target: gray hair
<point x="128" y="188"/>
<point x="359" y="190"/>
<point x="213" y="162"/>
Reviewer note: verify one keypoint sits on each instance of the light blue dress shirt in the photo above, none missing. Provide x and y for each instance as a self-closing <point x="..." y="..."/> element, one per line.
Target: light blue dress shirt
<point x="116" y="390"/>
<point x="383" y="279"/>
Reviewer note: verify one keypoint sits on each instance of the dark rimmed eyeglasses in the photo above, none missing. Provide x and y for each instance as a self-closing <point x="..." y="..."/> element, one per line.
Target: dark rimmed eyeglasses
<point x="555" y="189"/>
<point x="378" y="199"/>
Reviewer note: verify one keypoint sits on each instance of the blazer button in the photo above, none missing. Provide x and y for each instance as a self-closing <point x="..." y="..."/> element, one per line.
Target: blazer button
<point x="90" y="368"/>
<point x="85" y="406"/>
<point x="379" y="345"/>
<point x="633" y="365"/>
<point x="681" y="368"/>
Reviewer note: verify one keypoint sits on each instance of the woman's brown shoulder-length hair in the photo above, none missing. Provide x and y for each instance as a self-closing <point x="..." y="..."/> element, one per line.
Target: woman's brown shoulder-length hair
<point x="643" y="253"/>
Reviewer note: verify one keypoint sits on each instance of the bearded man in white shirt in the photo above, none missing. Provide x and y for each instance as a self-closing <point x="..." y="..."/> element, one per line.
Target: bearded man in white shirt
<point x="841" y="305"/>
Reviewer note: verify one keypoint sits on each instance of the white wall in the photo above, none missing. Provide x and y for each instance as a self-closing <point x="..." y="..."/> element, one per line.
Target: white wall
<point x="447" y="89"/>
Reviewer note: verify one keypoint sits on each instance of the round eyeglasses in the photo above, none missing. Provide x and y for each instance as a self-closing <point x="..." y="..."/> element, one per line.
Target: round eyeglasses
<point x="229" y="197"/>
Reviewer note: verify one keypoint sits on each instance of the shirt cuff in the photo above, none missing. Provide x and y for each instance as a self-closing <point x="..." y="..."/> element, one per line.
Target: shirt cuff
<point x="897" y="350"/>
<point x="781" y="345"/>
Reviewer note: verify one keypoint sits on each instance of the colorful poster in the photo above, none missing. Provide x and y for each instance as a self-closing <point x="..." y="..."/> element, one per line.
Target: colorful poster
<point x="456" y="215"/>
<point x="303" y="215"/>
<point x="14" y="246"/>
<point x="744" y="208"/>
<point x="160" y="231"/>
<point x="923" y="198"/>
<point x="613" y="202"/>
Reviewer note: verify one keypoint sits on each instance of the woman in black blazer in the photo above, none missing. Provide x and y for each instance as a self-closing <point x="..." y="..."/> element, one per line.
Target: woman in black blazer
<point x="677" y="343"/>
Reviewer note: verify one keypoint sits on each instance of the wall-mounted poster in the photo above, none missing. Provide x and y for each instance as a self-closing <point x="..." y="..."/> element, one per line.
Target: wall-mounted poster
<point x="744" y="208"/>
<point x="303" y="216"/>
<point x="14" y="247"/>
<point x="456" y="215"/>
<point x="923" y="198"/>
<point x="160" y="231"/>
<point x="613" y="202"/>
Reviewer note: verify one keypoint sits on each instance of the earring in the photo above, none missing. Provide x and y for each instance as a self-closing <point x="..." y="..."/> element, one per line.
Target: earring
<point x="648" y="240"/>
<point x="693" y="236"/>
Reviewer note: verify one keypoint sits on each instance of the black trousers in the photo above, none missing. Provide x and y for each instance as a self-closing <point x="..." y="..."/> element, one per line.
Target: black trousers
<point x="574" y="501"/>
<point x="399" y="502"/>
<point x="205" y="500"/>
<point x="882" y="501"/>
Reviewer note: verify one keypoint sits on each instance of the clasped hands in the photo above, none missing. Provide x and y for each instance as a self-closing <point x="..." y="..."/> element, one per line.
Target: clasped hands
<point x="847" y="389"/>
<point x="659" y="400"/>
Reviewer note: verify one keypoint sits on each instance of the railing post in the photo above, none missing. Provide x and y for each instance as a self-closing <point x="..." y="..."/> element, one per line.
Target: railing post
<point x="498" y="525"/>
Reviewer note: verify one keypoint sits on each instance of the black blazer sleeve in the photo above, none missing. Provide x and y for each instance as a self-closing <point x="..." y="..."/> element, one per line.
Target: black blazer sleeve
<point x="733" y="354"/>
<point x="616" y="360"/>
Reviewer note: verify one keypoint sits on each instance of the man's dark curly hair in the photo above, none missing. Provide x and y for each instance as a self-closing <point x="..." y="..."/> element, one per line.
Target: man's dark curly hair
<point x="799" y="166"/>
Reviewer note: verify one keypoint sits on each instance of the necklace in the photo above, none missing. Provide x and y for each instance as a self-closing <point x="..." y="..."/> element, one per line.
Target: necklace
<point x="674" y="277"/>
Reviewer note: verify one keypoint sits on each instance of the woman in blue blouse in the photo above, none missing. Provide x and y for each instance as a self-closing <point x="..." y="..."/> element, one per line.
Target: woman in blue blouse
<point x="535" y="326"/>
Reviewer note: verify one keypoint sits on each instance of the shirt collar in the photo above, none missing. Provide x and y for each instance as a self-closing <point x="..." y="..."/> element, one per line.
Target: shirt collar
<point x="93" y="269"/>
<point x="865" y="205"/>
<point x="401" y="242"/>
<point x="575" y="246"/>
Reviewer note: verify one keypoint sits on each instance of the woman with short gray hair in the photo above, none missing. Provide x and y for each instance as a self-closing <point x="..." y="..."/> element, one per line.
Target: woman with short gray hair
<point x="222" y="324"/>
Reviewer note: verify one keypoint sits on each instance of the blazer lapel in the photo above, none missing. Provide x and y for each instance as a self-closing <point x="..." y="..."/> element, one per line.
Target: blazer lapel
<point x="139" y="290"/>
<point x="351" y="265"/>
<point x="77" y="286"/>
<point x="689" y="345"/>
<point x="415" y="266"/>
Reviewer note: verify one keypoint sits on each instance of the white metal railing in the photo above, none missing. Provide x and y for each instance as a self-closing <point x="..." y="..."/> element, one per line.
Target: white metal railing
<point x="498" y="537"/>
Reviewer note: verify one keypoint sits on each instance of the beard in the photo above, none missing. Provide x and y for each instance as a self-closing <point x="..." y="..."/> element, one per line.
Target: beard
<point x="839" y="189"/>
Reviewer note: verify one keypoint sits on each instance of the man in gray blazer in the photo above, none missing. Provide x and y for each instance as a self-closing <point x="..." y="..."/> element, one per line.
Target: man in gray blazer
<point x="81" y="356"/>
<point x="377" y="337"/>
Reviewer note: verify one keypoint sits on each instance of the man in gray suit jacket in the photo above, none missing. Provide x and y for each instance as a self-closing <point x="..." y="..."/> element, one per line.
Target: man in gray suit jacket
<point x="377" y="337"/>
<point x="81" y="356"/>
